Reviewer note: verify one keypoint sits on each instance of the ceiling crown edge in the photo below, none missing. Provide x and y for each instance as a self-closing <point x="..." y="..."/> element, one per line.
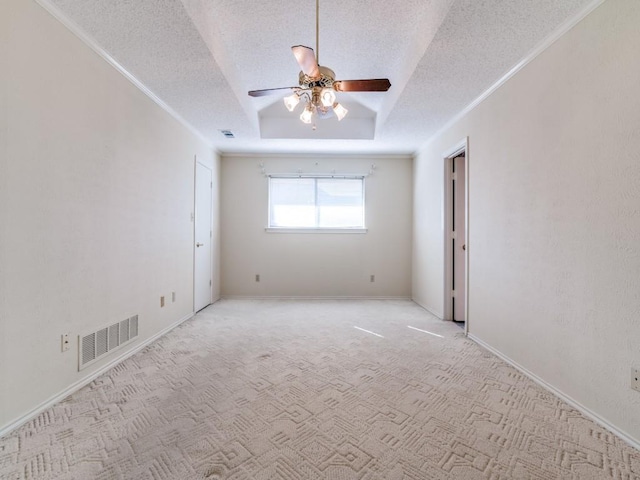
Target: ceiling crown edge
<point x="537" y="50"/>
<point x="55" y="12"/>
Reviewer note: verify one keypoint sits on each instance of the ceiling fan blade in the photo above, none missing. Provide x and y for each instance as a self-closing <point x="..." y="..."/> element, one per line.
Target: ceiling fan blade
<point x="270" y="91"/>
<point x="307" y="60"/>
<point x="372" y="85"/>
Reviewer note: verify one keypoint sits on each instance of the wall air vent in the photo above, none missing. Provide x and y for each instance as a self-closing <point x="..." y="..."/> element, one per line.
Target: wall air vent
<point x="124" y="331"/>
<point x="133" y="326"/>
<point x="94" y="345"/>
<point x="227" y="133"/>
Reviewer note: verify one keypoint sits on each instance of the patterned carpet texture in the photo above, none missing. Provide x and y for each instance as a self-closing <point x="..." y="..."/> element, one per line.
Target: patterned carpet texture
<point x="290" y="390"/>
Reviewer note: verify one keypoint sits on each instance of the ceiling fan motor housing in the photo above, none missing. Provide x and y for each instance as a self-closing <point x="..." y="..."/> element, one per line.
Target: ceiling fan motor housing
<point x="325" y="80"/>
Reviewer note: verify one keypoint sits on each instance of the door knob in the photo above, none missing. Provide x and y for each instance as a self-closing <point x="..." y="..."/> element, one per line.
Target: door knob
<point x="464" y="247"/>
<point x="198" y="244"/>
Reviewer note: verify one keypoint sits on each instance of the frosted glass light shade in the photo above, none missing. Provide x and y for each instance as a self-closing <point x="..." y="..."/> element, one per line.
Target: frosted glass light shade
<point x="340" y="111"/>
<point x="306" y="115"/>
<point x="327" y="97"/>
<point x="291" y="101"/>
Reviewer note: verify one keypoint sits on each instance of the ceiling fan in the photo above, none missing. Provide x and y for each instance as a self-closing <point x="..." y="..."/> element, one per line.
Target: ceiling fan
<point x="317" y="85"/>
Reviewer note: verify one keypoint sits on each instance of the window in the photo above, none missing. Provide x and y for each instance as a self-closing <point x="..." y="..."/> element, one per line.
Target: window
<point x="316" y="203"/>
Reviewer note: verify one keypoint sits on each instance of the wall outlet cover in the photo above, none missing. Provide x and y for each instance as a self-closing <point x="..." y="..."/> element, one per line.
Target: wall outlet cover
<point x="64" y="339"/>
<point x="635" y="379"/>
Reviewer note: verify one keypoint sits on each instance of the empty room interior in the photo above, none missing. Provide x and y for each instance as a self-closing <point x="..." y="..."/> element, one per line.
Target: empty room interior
<point x="319" y="239"/>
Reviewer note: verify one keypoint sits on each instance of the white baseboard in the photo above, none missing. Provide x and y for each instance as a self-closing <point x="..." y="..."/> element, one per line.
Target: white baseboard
<point x="4" y="430"/>
<point x="432" y="312"/>
<point x="575" y="404"/>
<point x="303" y="297"/>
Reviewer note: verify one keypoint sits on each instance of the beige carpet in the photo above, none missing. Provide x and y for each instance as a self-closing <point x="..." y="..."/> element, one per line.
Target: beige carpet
<point x="291" y="390"/>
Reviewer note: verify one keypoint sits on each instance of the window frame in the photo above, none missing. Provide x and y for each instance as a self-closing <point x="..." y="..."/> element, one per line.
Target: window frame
<point x="316" y="229"/>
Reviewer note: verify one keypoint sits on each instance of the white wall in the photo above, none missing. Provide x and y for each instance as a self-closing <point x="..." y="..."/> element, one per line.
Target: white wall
<point x="319" y="264"/>
<point x="554" y="223"/>
<point x="96" y="194"/>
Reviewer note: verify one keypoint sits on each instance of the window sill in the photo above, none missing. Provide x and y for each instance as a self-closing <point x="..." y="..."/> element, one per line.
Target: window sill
<point x="314" y="230"/>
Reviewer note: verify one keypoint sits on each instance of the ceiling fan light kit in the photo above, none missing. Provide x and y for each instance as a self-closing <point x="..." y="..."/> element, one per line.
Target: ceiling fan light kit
<point x="328" y="97"/>
<point x="340" y="111"/>
<point x="292" y="101"/>
<point x="317" y="86"/>
<point x="307" y="114"/>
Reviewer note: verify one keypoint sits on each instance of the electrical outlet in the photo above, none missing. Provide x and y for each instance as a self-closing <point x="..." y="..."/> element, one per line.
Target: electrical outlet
<point x="257" y="277"/>
<point x="65" y="345"/>
<point x="635" y="379"/>
<point x="161" y="302"/>
<point x="173" y="297"/>
<point x="372" y="278"/>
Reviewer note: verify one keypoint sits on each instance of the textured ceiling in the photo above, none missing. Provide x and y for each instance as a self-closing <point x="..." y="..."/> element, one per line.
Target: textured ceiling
<point x="200" y="57"/>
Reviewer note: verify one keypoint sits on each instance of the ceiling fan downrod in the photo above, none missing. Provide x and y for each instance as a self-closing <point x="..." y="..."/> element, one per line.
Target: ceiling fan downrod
<point x="318" y="31"/>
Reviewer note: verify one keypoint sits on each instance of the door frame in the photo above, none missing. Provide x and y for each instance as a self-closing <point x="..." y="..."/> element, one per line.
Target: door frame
<point x="460" y="147"/>
<point x="193" y="233"/>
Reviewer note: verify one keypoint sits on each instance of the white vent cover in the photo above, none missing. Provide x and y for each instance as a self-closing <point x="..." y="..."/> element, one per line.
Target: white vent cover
<point x="124" y="331"/>
<point x="106" y="339"/>
<point x="133" y="326"/>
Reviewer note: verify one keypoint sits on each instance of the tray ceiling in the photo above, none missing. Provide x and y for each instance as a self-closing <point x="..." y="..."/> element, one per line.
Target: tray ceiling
<point x="200" y="57"/>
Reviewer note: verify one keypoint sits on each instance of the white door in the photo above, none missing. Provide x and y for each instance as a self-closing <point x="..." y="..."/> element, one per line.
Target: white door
<point x="459" y="239"/>
<point x="202" y="238"/>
